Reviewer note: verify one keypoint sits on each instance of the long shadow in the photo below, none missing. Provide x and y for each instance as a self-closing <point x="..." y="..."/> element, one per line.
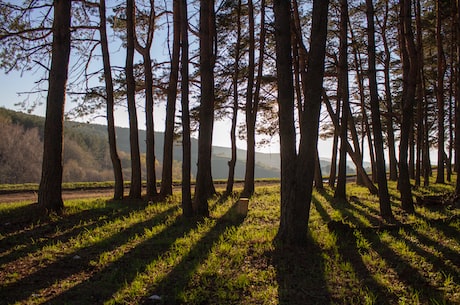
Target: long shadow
<point x="319" y="207"/>
<point x="115" y="276"/>
<point x="438" y="262"/>
<point x="67" y="265"/>
<point x="175" y="283"/>
<point x="300" y="273"/>
<point x="444" y="226"/>
<point x="407" y="274"/>
<point x="347" y="247"/>
<point x="35" y="239"/>
<point x="410" y="276"/>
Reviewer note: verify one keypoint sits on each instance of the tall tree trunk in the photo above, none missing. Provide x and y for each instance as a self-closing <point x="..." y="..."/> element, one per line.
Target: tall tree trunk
<point x="410" y="70"/>
<point x="166" y="173"/>
<point x="384" y="197"/>
<point x="282" y="11"/>
<point x="187" y="208"/>
<point x="393" y="163"/>
<point x="362" y="97"/>
<point x="149" y="122"/>
<point x="457" y="98"/>
<point x="150" y="130"/>
<point x="116" y="163"/>
<point x="440" y="95"/>
<point x="50" y="190"/>
<point x="248" y="189"/>
<point x="451" y="96"/>
<point x="343" y="92"/>
<point x="236" y="74"/>
<point x="419" y="94"/>
<point x="136" y="181"/>
<point x="204" y="187"/>
<point x="296" y="190"/>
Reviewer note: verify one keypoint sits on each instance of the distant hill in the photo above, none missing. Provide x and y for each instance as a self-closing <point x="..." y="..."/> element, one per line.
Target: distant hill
<point x="93" y="138"/>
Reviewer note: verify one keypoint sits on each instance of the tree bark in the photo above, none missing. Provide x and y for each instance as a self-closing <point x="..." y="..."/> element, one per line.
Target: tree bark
<point x="149" y="121"/>
<point x="343" y="93"/>
<point x="136" y="181"/>
<point x="236" y="74"/>
<point x="296" y="189"/>
<point x="150" y="130"/>
<point x="440" y="95"/>
<point x="166" y="173"/>
<point x="116" y="163"/>
<point x="457" y="98"/>
<point x="187" y="208"/>
<point x="50" y="189"/>
<point x="419" y="95"/>
<point x="248" y="189"/>
<point x="393" y="163"/>
<point x="204" y="187"/>
<point x="410" y="70"/>
<point x="384" y="197"/>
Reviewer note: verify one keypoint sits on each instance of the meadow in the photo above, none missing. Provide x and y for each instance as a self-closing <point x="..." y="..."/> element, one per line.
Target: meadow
<point x="120" y="252"/>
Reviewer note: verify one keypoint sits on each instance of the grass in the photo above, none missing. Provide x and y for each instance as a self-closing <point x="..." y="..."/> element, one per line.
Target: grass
<point x="113" y="252"/>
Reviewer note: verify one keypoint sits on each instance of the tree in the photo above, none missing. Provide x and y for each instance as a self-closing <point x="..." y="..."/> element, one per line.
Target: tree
<point x="410" y="70"/>
<point x="343" y="92"/>
<point x="166" y="173"/>
<point x="50" y="190"/>
<point x="297" y="171"/>
<point x="389" y="118"/>
<point x="440" y="94"/>
<point x="253" y="94"/>
<point x="457" y="99"/>
<point x="384" y="197"/>
<point x="235" y="106"/>
<point x="186" y="146"/>
<point x="204" y="187"/>
<point x="136" y="181"/>
<point x="148" y="26"/>
<point x="110" y="100"/>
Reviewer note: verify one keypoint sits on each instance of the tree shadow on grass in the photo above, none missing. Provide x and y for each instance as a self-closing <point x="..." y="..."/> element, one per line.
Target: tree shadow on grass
<point x="174" y="286"/>
<point x="300" y="273"/>
<point x="66" y="266"/>
<point x="445" y="225"/>
<point x="34" y="232"/>
<point x="104" y="283"/>
<point x="349" y="252"/>
<point x="410" y="276"/>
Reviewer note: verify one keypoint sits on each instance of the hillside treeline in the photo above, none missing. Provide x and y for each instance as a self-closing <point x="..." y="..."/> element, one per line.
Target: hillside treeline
<point x="86" y="151"/>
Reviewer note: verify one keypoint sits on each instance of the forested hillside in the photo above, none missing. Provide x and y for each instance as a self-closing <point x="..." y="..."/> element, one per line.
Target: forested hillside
<point x="86" y="156"/>
<point x="86" y="152"/>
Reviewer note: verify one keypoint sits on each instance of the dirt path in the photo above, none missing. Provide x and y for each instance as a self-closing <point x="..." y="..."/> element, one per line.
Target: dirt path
<point x="66" y="194"/>
<point x="95" y="193"/>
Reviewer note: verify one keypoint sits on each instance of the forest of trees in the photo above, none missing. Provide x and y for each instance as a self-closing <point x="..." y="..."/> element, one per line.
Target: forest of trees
<point x="380" y="78"/>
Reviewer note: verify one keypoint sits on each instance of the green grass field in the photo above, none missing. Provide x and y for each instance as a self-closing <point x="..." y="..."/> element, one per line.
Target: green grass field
<point x="106" y="252"/>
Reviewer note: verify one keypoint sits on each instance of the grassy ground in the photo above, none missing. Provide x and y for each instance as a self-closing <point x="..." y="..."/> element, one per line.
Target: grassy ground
<point x="106" y="252"/>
